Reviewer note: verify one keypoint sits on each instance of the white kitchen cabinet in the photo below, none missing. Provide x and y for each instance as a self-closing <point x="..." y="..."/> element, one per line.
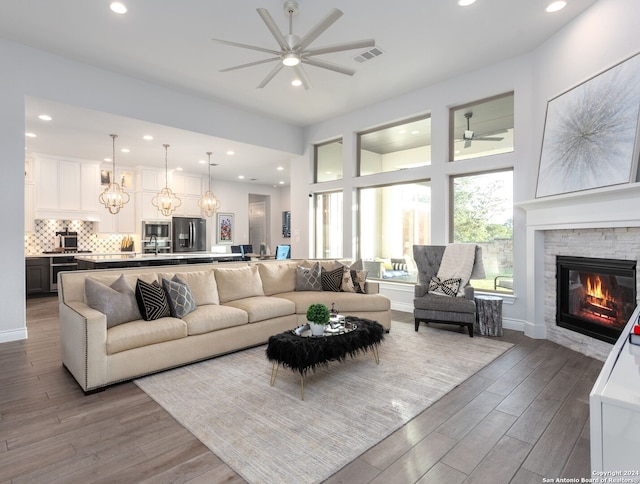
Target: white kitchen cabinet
<point x="150" y="179"/>
<point x="614" y="408"/>
<point x="122" y="222"/>
<point x="147" y="210"/>
<point x="69" y="185"/>
<point x="186" y="185"/>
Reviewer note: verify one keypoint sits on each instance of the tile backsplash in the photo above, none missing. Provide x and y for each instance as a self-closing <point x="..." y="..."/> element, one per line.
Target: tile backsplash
<point x="43" y="237"/>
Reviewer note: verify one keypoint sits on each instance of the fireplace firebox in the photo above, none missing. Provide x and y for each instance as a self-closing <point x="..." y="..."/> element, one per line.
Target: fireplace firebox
<point x="595" y="297"/>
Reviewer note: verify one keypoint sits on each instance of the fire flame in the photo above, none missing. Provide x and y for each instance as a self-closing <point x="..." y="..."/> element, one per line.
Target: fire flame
<point x="594" y="289"/>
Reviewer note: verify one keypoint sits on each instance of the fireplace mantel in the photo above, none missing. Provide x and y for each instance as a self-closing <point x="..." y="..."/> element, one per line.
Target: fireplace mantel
<point x="614" y="209"/>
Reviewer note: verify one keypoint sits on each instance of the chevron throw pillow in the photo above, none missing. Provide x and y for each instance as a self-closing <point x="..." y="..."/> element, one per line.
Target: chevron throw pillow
<point x="448" y="287"/>
<point x="152" y="300"/>
<point x="332" y="280"/>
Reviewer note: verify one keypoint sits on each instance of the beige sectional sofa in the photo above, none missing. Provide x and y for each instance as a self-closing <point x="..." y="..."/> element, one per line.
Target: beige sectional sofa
<point x="238" y="305"/>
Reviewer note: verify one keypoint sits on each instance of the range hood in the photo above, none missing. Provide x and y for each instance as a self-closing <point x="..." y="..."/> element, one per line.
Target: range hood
<point x="84" y="215"/>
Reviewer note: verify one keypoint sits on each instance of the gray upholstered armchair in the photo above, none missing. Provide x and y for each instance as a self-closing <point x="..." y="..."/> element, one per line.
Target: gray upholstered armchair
<point x="443" y="309"/>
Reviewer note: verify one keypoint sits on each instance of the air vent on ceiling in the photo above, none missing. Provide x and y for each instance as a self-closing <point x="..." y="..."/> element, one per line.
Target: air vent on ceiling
<point x="368" y="55"/>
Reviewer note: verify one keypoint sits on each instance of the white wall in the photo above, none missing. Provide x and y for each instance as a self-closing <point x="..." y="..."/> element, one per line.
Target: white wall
<point x="604" y="35"/>
<point x="29" y="72"/>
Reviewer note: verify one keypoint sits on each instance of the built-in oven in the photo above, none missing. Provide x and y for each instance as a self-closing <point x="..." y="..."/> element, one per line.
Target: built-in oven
<point x="156" y="237"/>
<point x="58" y="264"/>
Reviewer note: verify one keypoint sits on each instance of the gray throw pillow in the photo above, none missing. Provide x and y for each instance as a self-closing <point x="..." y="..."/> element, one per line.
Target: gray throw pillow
<point x="117" y="302"/>
<point x="309" y="278"/>
<point x="181" y="301"/>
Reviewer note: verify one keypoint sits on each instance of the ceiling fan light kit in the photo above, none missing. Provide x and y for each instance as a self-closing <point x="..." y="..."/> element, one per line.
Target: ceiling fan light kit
<point x="294" y="50"/>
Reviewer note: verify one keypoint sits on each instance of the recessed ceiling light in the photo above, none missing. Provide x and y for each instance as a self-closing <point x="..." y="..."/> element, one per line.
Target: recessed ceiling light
<point x="202" y="162"/>
<point x="125" y="150"/>
<point x="465" y="3"/>
<point x="108" y="160"/>
<point x="44" y="117"/>
<point x="280" y="168"/>
<point x="241" y="177"/>
<point x="231" y="152"/>
<point x="402" y="131"/>
<point x="30" y="135"/>
<point x="296" y="83"/>
<point x="555" y="6"/>
<point x="147" y="137"/>
<point x="281" y="182"/>
<point x="415" y="131"/>
<point x="118" y="7"/>
<point x="179" y="168"/>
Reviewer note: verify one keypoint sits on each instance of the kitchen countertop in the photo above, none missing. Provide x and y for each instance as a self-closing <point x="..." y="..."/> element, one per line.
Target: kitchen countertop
<point x="119" y="256"/>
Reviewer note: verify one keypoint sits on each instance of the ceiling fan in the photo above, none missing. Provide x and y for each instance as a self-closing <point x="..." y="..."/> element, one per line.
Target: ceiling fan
<point x="468" y="136"/>
<point x="294" y="50"/>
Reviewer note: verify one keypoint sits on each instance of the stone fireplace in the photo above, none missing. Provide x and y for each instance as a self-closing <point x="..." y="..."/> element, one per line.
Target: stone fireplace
<point x="600" y="224"/>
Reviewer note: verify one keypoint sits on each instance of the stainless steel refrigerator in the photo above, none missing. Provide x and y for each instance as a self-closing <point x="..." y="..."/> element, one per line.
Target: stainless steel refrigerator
<point x="189" y="234"/>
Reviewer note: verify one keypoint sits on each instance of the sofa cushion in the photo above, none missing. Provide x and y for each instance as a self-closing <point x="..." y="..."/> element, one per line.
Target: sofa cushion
<point x="202" y="284"/>
<point x="437" y="302"/>
<point x="277" y="277"/>
<point x="179" y="297"/>
<point x="238" y="283"/>
<point x="308" y="278"/>
<point x="137" y="334"/>
<point x="332" y="279"/>
<point x="263" y="307"/>
<point x="344" y="302"/>
<point x="152" y="300"/>
<point x="117" y="301"/>
<point x="213" y="317"/>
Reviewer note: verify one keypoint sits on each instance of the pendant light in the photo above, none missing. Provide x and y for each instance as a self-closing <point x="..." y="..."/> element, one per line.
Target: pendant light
<point x="208" y="203"/>
<point x="166" y="201"/>
<point x="114" y="197"/>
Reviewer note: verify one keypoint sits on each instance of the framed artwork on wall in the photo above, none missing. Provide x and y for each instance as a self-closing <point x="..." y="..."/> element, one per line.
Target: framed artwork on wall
<point x="591" y="133"/>
<point x="225" y="228"/>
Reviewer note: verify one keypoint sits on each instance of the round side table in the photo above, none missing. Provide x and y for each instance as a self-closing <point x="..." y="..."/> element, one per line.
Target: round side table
<point x="488" y="315"/>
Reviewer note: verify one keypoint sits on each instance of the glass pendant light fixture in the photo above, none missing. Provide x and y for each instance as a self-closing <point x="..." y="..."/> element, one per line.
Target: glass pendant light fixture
<point x="166" y="201"/>
<point x="209" y="203"/>
<point x="114" y="197"/>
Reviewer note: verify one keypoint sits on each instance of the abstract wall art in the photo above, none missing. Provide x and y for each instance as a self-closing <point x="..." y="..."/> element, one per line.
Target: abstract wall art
<point x="591" y="133"/>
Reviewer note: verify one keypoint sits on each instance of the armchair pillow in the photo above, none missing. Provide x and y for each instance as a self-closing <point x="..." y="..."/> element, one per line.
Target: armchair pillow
<point x="447" y="287"/>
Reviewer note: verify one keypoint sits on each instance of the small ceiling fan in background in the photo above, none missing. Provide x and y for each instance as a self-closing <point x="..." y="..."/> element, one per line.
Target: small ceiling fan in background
<point x="468" y="136"/>
<point x="294" y="50"/>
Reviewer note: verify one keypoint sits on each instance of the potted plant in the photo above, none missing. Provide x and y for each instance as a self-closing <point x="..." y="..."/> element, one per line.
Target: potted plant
<point x="318" y="317"/>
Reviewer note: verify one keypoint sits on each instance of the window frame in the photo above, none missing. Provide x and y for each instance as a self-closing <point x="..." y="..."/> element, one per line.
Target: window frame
<point x="315" y="159"/>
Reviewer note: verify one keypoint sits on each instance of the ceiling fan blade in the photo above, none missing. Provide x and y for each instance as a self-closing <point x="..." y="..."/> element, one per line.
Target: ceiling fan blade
<point x="302" y="75"/>
<point x="273" y="28"/>
<point x="467" y="143"/>
<point x="358" y="44"/>
<point x="333" y="15"/>
<point x="271" y="75"/>
<point x="329" y="65"/>
<point x="264" y="61"/>
<point x="488" y="138"/>
<point x="246" y="46"/>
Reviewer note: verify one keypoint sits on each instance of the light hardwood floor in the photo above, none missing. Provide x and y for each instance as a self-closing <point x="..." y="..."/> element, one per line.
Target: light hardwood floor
<point x="521" y="418"/>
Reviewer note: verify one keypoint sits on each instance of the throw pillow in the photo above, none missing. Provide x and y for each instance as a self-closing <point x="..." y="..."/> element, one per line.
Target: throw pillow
<point x="117" y="301"/>
<point x="152" y="300"/>
<point x="331" y="280"/>
<point x="448" y="287"/>
<point x="179" y="297"/>
<point x="308" y="279"/>
<point x="277" y="277"/>
<point x="354" y="277"/>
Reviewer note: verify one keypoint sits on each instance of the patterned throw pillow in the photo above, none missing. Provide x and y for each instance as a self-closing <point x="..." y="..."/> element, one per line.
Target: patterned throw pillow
<point x="359" y="278"/>
<point x="354" y="278"/>
<point x="308" y="279"/>
<point x="152" y="300"/>
<point x="179" y="297"/>
<point x="448" y="287"/>
<point x="331" y="279"/>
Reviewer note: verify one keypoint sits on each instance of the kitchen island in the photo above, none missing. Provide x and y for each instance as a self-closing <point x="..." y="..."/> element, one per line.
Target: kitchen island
<point x="111" y="261"/>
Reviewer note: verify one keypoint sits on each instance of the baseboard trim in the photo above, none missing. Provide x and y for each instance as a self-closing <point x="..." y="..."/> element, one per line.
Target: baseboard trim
<point x="13" y="335"/>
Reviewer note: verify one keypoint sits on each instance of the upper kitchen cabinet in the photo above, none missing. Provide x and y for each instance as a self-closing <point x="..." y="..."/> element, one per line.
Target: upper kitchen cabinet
<point x="122" y="222"/>
<point x="66" y="189"/>
<point x="186" y="186"/>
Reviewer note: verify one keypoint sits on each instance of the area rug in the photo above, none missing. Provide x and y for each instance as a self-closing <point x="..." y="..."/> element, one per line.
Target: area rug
<point x="268" y="434"/>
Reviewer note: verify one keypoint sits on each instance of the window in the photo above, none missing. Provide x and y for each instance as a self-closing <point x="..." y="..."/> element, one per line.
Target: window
<point x="483" y="213"/>
<point x="391" y="220"/>
<point x="395" y="147"/>
<point x="481" y="128"/>
<point x="328" y="218"/>
<point x="328" y="161"/>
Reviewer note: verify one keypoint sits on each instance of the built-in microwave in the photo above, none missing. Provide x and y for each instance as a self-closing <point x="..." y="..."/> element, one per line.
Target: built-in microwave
<point x="156" y="236"/>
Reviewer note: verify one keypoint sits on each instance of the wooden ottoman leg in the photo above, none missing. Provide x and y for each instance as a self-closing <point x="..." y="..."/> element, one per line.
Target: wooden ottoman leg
<point x="417" y="324"/>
